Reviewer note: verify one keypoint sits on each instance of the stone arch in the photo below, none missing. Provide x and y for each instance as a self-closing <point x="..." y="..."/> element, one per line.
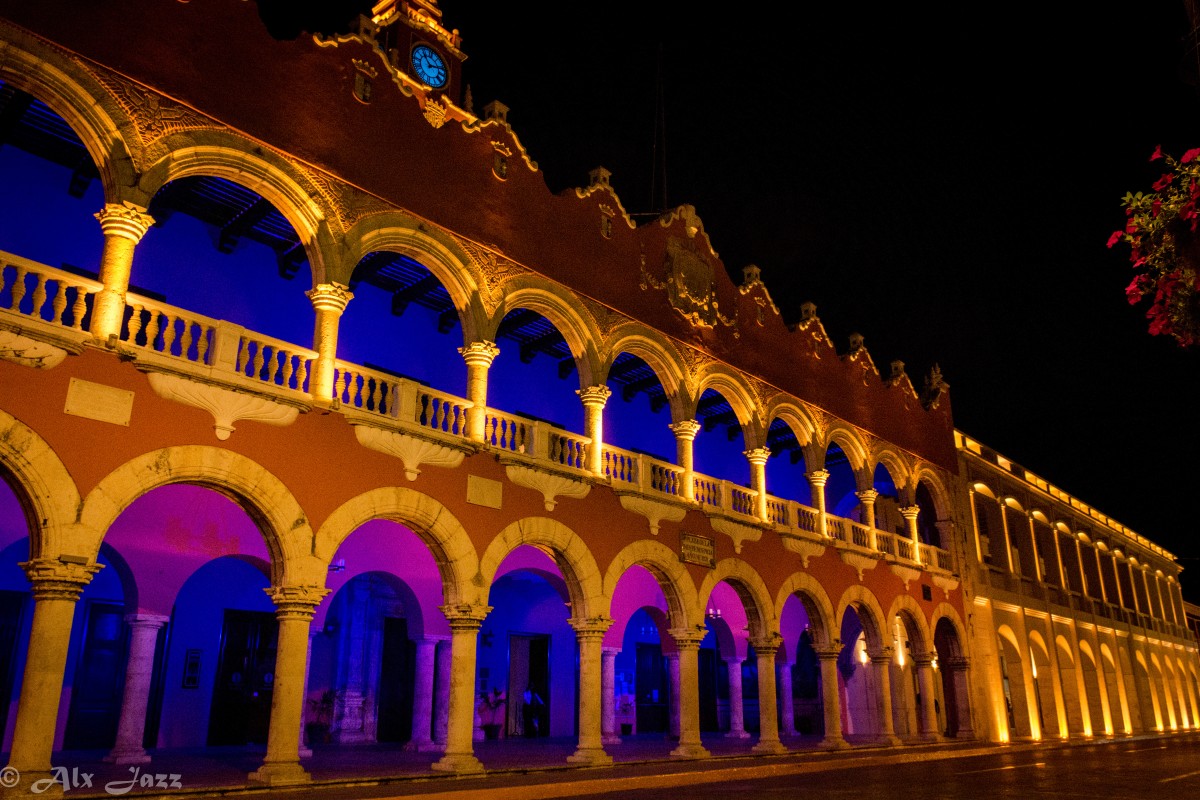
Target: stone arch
<point x="276" y="512"/>
<point x="905" y="607"/>
<point x="441" y="532"/>
<point x="944" y="610"/>
<point x="673" y="578"/>
<point x="850" y="443"/>
<point x="937" y="490"/>
<point x="870" y="614"/>
<point x="86" y="105"/>
<point x="661" y="356"/>
<point x="895" y="464"/>
<point x="794" y="416"/>
<point x="396" y="232"/>
<point x="229" y="156"/>
<point x="811" y="594"/>
<point x="750" y="588"/>
<point x="43" y="486"/>
<point x="565" y="547"/>
<point x="733" y="387"/>
<point x="564" y="311"/>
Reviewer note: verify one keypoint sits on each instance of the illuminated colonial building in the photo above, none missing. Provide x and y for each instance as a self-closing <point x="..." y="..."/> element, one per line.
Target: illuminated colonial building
<point x="323" y="421"/>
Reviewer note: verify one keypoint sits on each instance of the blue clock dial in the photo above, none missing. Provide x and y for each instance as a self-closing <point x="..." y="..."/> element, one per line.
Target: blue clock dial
<point x="429" y="67"/>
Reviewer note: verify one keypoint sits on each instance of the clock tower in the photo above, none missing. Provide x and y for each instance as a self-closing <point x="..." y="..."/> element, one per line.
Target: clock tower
<point x="419" y="46"/>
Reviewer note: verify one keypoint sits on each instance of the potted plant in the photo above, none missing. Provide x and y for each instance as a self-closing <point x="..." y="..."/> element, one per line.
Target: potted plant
<point x="1161" y="231"/>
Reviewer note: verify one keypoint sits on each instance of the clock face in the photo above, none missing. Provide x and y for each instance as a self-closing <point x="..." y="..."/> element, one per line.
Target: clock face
<point x="429" y="67"/>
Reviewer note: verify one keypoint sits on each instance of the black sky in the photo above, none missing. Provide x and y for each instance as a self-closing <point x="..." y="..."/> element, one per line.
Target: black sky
<point x="941" y="178"/>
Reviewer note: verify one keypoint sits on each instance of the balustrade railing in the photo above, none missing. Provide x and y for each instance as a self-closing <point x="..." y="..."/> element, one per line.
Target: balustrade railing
<point x="44" y="293"/>
<point x="63" y="299"/>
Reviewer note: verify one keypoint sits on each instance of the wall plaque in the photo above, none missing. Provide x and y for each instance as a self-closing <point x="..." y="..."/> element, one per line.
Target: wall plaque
<point x="99" y="402"/>
<point x="695" y="549"/>
<point x="484" y="492"/>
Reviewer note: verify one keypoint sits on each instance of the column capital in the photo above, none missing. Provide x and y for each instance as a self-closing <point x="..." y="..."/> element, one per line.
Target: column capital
<point x="767" y="643"/>
<point x="956" y="663"/>
<point x="590" y="627"/>
<point x="125" y="220"/>
<point x="479" y="354"/>
<point x="330" y="297"/>
<point x="611" y="651"/>
<point x="910" y="512"/>
<point x="868" y="496"/>
<point x="465" y="617"/>
<point x="154" y="621"/>
<point x="688" y="638"/>
<point x="882" y="655"/>
<point x="685" y="429"/>
<point x="828" y="652"/>
<point x="295" y="602"/>
<point x="817" y="477"/>
<point x="924" y="659"/>
<point x="757" y="455"/>
<point x="594" y="395"/>
<point x="53" y="579"/>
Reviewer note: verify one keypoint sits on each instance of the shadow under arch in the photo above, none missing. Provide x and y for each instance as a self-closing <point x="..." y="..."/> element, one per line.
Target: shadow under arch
<point x="817" y="606"/>
<point x="673" y="578"/>
<point x="870" y="614"/>
<point x="268" y="502"/>
<point x="442" y="533"/>
<point x="564" y="311"/>
<point x="905" y="607"/>
<point x="43" y="486"/>
<point x="750" y="588"/>
<point x="568" y="551"/>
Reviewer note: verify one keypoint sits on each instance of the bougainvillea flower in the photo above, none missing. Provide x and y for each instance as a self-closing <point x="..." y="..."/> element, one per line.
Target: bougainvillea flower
<point x="1163" y="182"/>
<point x="1190" y="155"/>
<point x="1157" y="154"/>
<point x="1116" y="237"/>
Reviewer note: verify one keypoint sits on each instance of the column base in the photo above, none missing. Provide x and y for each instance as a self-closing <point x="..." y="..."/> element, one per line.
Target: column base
<point x="610" y="739"/>
<point x="889" y="740"/>
<point x="834" y="743"/>
<point x="737" y="735"/>
<point x="305" y="751"/>
<point x="280" y="773"/>
<point x="932" y="738"/>
<point x="690" y="751"/>
<point x="122" y="757"/>
<point x="46" y="781"/>
<point x="591" y="756"/>
<point x="459" y="764"/>
<point x="773" y="747"/>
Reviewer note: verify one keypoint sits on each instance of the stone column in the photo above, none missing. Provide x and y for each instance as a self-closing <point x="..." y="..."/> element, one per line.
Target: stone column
<point x="594" y="399"/>
<point x="56" y="588"/>
<point x="929" y="723"/>
<point x="123" y="226"/>
<point x="479" y="357"/>
<point x="765" y="650"/>
<point x="305" y="748"/>
<point x="608" y="695"/>
<point x="868" y="497"/>
<point x="465" y="620"/>
<point x="910" y="521"/>
<point x="685" y="436"/>
<point x="881" y="669"/>
<point x="737" y="714"/>
<point x="329" y="300"/>
<point x="816" y="480"/>
<point x="673" y="708"/>
<point x="422" y="715"/>
<point x="787" y="700"/>
<point x="687" y="640"/>
<point x="962" y="695"/>
<point x="758" y="478"/>
<point x="441" y="716"/>
<point x="589" y="633"/>
<point x="827" y="655"/>
<point x="294" y="607"/>
<point x="139" y="670"/>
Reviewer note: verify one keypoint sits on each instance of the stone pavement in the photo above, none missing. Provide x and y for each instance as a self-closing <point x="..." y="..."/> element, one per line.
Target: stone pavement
<point x="519" y="769"/>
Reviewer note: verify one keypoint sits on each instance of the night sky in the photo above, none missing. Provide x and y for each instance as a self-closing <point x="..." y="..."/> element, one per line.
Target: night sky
<point x="941" y="180"/>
